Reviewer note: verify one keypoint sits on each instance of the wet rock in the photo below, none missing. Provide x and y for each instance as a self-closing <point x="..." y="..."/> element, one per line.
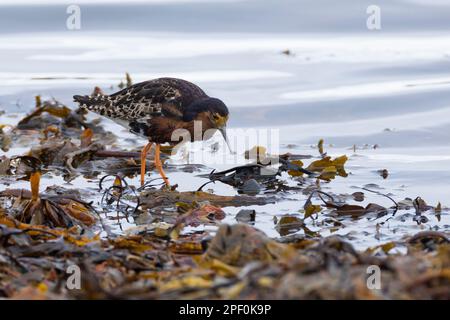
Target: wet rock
<point x="250" y="187"/>
<point x="246" y="216"/>
<point x="238" y="176"/>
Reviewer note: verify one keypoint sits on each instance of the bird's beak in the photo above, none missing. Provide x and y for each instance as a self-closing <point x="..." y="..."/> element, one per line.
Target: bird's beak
<point x="223" y="131"/>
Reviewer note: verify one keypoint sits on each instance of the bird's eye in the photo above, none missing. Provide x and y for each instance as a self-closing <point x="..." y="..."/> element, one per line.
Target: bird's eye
<point x="216" y="117"/>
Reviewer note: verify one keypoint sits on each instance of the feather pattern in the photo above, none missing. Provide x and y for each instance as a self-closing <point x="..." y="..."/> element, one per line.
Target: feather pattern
<point x="154" y="109"/>
<point x="167" y="97"/>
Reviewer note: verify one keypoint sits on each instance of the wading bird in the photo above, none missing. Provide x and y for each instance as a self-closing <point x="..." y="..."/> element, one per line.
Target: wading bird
<point x="154" y="109"/>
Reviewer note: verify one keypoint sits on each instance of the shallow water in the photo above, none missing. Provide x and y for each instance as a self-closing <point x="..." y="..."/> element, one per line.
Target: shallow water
<point x="342" y="83"/>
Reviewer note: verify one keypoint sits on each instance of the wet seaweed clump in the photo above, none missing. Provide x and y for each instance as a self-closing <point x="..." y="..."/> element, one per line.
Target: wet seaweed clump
<point x="151" y="242"/>
<point x="239" y="262"/>
<point x="47" y="209"/>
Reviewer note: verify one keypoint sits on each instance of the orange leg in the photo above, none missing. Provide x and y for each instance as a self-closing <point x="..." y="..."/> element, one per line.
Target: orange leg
<point x="158" y="165"/>
<point x="144" y="153"/>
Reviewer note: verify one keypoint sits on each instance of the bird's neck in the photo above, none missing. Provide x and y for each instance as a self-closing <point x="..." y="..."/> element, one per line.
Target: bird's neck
<point x="198" y="127"/>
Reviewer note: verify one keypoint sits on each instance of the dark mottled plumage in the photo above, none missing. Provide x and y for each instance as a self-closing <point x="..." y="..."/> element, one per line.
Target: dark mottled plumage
<point x="155" y="108"/>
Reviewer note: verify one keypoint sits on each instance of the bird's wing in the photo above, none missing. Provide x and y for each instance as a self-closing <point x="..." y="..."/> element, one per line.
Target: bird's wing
<point x="146" y="100"/>
<point x="134" y="106"/>
<point x="160" y="97"/>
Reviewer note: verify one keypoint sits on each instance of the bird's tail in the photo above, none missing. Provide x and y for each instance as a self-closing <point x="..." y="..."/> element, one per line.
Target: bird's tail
<point x="95" y="103"/>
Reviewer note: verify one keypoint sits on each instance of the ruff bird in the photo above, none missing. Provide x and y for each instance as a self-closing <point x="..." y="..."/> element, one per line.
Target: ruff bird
<point x="154" y="109"/>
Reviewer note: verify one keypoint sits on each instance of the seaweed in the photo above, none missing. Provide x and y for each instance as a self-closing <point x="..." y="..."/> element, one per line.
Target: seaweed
<point x="148" y="242"/>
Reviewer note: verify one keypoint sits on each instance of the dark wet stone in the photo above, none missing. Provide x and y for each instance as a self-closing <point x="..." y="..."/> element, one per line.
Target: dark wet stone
<point x="250" y="187"/>
<point x="246" y="216"/>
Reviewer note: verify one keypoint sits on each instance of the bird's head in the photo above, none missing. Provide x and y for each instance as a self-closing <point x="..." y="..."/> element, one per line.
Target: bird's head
<point x="212" y="112"/>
